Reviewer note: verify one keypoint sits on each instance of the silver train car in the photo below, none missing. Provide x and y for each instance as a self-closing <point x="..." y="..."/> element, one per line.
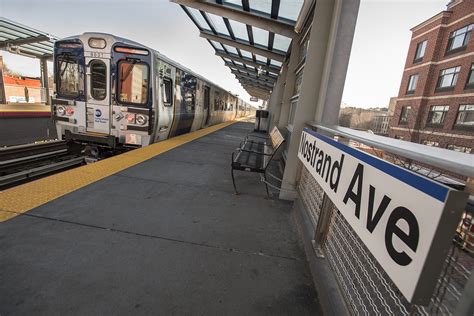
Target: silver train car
<point x="112" y="92"/>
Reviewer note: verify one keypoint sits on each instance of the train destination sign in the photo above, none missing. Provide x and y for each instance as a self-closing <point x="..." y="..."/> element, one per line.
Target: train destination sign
<point x="406" y="221"/>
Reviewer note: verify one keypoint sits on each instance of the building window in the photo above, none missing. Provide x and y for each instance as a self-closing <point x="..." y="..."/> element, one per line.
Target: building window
<point x="465" y="116"/>
<point x="298" y="81"/>
<point x="470" y="78"/>
<point x="437" y="114"/>
<point x="448" y="78"/>
<point x="412" y="84"/>
<point x="430" y="143"/>
<point x="420" y="51"/>
<point x="291" y="117"/>
<point x="458" y="39"/>
<point x="461" y="149"/>
<point x="404" y="115"/>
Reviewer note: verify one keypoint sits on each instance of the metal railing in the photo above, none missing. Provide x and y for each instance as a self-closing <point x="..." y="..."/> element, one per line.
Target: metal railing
<point x="365" y="286"/>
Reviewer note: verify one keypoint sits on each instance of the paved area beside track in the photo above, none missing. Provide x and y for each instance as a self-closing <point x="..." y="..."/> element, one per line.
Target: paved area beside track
<point x="160" y="232"/>
<point x="24" y="110"/>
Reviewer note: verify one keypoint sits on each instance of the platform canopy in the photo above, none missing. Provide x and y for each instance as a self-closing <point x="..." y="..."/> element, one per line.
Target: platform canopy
<point x="24" y="40"/>
<point x="252" y="37"/>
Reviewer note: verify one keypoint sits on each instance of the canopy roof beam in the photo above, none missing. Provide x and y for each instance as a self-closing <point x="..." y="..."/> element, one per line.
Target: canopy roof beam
<point x="251" y="80"/>
<point x="251" y="71"/>
<point x="257" y="92"/>
<point x="259" y="78"/>
<point x="248" y="62"/>
<point x="250" y="18"/>
<point x="23" y="41"/>
<point x="241" y="45"/>
<point x="255" y="84"/>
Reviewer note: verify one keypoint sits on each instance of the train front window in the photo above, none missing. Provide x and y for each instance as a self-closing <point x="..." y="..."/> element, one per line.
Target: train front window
<point x="133" y="82"/>
<point x="98" y="79"/>
<point x="68" y="76"/>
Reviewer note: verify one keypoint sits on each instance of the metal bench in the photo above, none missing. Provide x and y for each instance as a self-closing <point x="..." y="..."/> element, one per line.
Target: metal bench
<point x="255" y="154"/>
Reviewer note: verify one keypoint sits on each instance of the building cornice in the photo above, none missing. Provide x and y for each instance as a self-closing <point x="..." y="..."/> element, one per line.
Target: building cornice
<point x="440" y="15"/>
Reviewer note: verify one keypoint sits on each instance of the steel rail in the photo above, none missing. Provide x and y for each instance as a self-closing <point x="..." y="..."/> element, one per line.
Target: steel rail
<point x="457" y="162"/>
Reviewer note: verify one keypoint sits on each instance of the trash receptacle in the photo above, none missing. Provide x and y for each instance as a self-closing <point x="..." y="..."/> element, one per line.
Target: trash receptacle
<point x="261" y="120"/>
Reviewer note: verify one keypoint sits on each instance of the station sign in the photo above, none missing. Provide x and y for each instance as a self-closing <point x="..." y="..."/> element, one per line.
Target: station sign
<point x="253" y="99"/>
<point x="406" y="221"/>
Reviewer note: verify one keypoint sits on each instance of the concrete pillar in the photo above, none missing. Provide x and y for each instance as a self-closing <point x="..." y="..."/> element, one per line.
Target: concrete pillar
<point x="44" y="78"/>
<point x="329" y="102"/>
<point x="321" y="70"/>
<point x="290" y="83"/>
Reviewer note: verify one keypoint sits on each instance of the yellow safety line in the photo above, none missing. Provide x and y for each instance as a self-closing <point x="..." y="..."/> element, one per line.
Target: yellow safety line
<point x="23" y="198"/>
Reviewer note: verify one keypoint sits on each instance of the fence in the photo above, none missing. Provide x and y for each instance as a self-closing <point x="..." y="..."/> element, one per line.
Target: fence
<point x="365" y="286"/>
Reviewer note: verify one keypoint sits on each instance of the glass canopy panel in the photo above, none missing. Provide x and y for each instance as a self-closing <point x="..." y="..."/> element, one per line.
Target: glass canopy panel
<point x="260" y="36"/>
<point x="230" y="49"/>
<point x="239" y="29"/>
<point x="264" y="6"/>
<point x="218" y="23"/>
<point x="261" y="59"/>
<point x="216" y="45"/>
<point x="289" y="9"/>
<point x="237" y="3"/>
<point x="199" y="19"/>
<point x="281" y="42"/>
<point x="238" y="63"/>
<point x="246" y="54"/>
<point x="275" y="63"/>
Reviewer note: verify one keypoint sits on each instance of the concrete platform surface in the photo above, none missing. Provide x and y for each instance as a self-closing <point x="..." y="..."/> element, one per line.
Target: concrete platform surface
<point x="166" y="236"/>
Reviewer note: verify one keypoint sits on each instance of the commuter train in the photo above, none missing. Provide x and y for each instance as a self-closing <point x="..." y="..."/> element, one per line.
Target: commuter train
<point x="113" y="92"/>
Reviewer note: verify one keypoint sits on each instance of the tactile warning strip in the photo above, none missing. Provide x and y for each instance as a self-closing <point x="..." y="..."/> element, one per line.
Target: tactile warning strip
<point x="23" y="198"/>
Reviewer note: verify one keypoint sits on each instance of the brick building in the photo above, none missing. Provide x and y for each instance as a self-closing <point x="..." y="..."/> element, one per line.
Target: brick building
<point x="435" y="104"/>
<point x="18" y="88"/>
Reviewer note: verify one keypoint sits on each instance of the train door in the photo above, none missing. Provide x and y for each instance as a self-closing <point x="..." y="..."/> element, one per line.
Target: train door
<point x="166" y="99"/>
<point x="207" y="104"/>
<point x="98" y="95"/>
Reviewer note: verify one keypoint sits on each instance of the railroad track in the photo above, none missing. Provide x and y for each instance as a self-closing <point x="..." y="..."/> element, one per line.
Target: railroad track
<point x="22" y="163"/>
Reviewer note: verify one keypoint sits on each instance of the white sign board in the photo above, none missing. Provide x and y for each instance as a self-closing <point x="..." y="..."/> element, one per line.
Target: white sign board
<point x="395" y="212"/>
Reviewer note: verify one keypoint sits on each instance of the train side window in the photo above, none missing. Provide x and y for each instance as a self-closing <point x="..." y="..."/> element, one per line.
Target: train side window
<point x="167" y="92"/>
<point x="98" y="79"/>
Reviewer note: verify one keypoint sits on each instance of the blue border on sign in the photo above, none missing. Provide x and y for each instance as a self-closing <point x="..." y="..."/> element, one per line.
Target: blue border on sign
<point x="431" y="188"/>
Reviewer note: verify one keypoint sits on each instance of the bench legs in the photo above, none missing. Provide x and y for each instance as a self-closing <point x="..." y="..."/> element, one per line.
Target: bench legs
<point x="233" y="182"/>
<point x="266" y="185"/>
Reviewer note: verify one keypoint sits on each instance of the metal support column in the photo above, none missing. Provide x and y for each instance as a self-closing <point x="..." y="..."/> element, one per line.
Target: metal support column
<point x="44" y="78"/>
<point x="328" y="29"/>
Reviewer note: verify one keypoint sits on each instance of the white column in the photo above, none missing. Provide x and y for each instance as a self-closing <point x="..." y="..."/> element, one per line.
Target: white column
<point x="44" y="78"/>
<point x="333" y="24"/>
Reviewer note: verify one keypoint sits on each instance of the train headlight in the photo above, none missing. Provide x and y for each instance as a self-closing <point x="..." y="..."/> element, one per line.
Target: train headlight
<point x="131" y="118"/>
<point x="97" y="43"/>
<point x="141" y="119"/>
<point x="61" y="110"/>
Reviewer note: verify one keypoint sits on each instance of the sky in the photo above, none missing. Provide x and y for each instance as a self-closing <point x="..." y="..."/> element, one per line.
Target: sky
<point x="381" y="40"/>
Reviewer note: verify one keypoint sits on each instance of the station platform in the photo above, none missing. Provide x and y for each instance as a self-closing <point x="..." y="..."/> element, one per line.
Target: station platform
<point x="157" y="230"/>
<point x="24" y="110"/>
